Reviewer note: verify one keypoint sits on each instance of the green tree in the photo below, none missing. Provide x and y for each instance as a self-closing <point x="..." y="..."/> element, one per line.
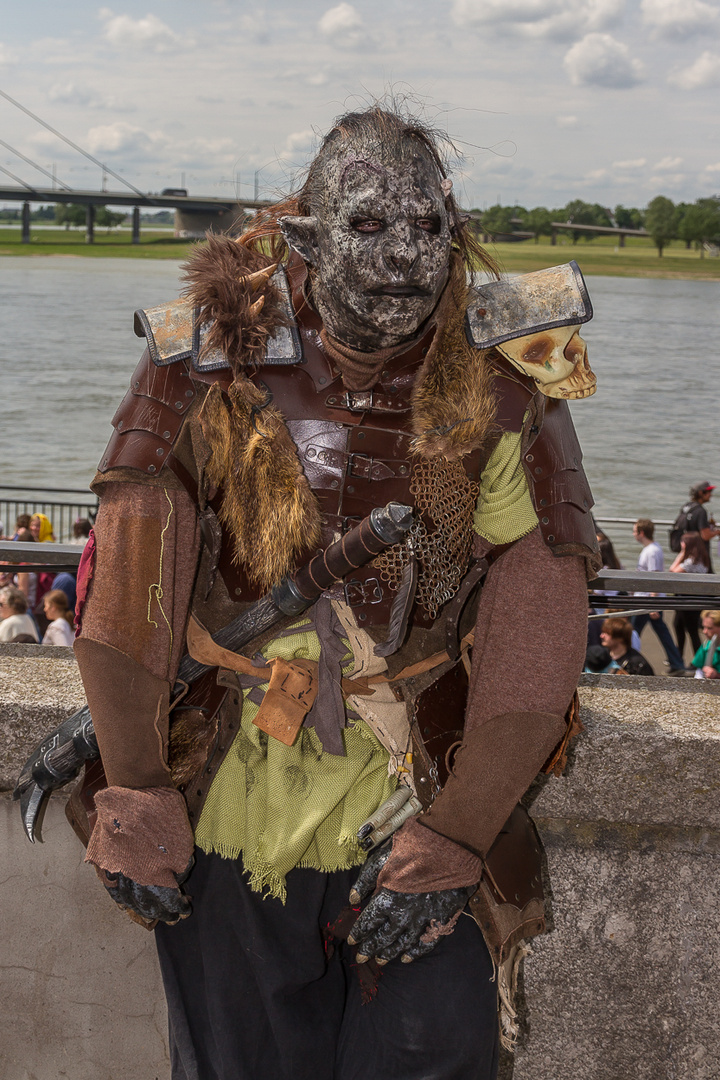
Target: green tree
<point x="538" y="221"/>
<point x="498" y="219"/>
<point x="582" y="213"/>
<point x="106" y="219"/>
<point x="68" y="214"/>
<point x="700" y="223"/>
<point x="661" y="221"/>
<point x="628" y="217"/>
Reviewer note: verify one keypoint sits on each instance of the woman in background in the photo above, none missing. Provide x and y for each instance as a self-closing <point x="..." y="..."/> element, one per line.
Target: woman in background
<point x="692" y="559"/>
<point x="61" y="625"/>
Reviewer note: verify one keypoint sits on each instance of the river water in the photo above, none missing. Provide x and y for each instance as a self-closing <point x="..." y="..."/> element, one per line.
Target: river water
<point x="67" y="350"/>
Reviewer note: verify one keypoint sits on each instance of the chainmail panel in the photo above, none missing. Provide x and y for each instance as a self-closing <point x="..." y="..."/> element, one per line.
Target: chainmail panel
<point x="440" y="539"/>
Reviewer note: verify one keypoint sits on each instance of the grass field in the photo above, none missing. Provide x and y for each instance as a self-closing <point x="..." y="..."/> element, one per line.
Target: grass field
<point x="154" y="244"/>
<point x="600" y="256"/>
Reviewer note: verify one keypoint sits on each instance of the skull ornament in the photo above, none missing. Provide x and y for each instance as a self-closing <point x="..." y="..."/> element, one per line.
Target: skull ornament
<point x="555" y="359"/>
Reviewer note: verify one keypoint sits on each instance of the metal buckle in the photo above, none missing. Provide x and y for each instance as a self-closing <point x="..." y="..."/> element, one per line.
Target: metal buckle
<point x="367" y="472"/>
<point x="361" y="588"/>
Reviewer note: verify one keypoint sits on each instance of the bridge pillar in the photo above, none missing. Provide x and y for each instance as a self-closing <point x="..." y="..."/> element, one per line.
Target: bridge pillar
<point x="90" y="224"/>
<point x="622" y="239"/>
<point x="26" y="223"/>
<point x="136" y="225"/>
<point x="553" y="237"/>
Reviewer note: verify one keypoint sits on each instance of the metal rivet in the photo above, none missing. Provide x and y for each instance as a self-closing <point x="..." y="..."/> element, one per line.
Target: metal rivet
<point x="310" y="452"/>
<point x="350" y="489"/>
<point x="179" y="405"/>
<point x="386" y="374"/>
<point x="529" y="457"/>
<point x="104" y="464"/>
<point x="403" y="470"/>
<point x="538" y="471"/>
<point x="322" y="380"/>
<point x="543" y="502"/>
<point x="546" y="521"/>
<point x="136" y="384"/>
<point x="151" y="468"/>
<point x="334" y="484"/>
<point x="238" y="592"/>
<point x="189" y="393"/>
<point x="534" y="429"/>
<point x="120" y="424"/>
<point x="575" y="461"/>
<point x="361" y="434"/>
<point x="362" y="617"/>
<point x="551" y="538"/>
<point x="392" y="389"/>
<point x="166" y="434"/>
<point x="585" y="502"/>
<point x="332" y="400"/>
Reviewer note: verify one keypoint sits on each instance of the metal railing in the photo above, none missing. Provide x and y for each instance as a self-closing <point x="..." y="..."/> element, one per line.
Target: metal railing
<point x="61" y="512"/>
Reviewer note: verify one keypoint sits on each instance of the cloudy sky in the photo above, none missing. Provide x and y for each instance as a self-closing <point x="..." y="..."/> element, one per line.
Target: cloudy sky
<point x="612" y="101"/>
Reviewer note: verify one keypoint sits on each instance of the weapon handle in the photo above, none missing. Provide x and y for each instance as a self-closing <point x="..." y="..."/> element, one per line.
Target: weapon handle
<point x="382" y="528"/>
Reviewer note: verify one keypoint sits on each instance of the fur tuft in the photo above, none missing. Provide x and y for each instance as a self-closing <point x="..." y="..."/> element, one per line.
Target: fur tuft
<point x="453" y="402"/>
<point x="214" y="284"/>
<point x="268" y="505"/>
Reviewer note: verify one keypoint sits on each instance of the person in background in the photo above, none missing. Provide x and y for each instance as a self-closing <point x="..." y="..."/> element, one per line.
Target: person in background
<point x="41" y="528"/>
<point x="692" y="559"/>
<point x="14" y="620"/>
<point x="616" y="636"/>
<point x="61" y="625"/>
<point x="695" y="516"/>
<point x="68" y="583"/>
<point x="651" y="559"/>
<point x="22" y="523"/>
<point x="81" y="531"/>
<point x="706" y="660"/>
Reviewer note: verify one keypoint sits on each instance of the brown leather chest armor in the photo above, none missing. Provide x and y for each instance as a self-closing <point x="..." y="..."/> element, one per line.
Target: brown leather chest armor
<point x="355" y="449"/>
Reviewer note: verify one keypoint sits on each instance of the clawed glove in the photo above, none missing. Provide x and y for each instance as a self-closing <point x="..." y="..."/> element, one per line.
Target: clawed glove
<point x="407" y="924"/>
<point x="142" y="849"/>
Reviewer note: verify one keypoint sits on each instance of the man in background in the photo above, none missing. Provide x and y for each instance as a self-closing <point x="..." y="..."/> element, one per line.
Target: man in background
<point x="695" y="516"/>
<point x="616" y="636"/>
<point x="651" y="559"/>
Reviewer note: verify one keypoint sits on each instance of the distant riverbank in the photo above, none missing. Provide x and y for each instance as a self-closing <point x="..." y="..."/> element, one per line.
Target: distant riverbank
<point x="598" y="257"/>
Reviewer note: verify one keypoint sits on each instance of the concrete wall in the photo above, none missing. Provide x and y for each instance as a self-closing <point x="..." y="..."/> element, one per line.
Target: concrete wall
<point x="625" y="986"/>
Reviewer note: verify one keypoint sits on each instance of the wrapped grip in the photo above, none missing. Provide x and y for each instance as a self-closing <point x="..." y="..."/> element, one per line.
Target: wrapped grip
<point x="381" y="529"/>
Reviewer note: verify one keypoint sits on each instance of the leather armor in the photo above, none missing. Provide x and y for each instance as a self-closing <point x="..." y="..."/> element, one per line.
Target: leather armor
<point x="355" y="446"/>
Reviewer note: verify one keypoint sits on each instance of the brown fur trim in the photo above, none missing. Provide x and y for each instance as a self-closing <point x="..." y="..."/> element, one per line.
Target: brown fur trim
<point x="268" y="504"/>
<point x="192" y="740"/>
<point x="213" y="275"/>
<point x="453" y="401"/>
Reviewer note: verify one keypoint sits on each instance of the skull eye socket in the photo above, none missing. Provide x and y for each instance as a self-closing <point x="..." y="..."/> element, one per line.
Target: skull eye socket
<point x="574" y="351"/>
<point x="537" y="352"/>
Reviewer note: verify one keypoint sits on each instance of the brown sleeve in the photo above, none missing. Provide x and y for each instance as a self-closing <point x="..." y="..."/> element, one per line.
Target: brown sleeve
<point x="528" y="653"/>
<point x="133" y="625"/>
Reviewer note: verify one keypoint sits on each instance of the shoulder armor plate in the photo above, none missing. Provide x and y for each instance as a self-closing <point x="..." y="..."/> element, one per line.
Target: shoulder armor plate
<point x="173" y="332"/>
<point x="515" y="307"/>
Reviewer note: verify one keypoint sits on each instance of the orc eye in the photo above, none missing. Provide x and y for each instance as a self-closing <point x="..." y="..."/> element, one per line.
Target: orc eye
<point x="428" y="224"/>
<point x="367" y="225"/>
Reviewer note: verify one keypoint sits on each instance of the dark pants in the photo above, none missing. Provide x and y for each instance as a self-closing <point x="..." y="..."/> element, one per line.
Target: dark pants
<point x="687" y="622"/>
<point x="664" y="636"/>
<point x="252" y="994"/>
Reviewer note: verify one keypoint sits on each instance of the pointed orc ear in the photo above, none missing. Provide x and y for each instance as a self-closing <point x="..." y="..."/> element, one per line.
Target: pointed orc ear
<point x="300" y="233"/>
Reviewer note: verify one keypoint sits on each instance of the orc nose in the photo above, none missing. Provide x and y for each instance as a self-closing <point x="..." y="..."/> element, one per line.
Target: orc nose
<point x="400" y="253"/>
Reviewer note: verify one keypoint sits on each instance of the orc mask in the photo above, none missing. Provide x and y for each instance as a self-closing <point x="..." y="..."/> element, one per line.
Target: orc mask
<point x="379" y="252"/>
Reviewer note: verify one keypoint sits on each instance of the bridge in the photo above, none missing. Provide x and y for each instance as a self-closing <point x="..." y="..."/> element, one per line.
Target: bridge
<point x="191" y="210"/>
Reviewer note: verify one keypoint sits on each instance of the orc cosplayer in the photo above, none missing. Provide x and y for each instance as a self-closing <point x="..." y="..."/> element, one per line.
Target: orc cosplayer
<point x="332" y="360"/>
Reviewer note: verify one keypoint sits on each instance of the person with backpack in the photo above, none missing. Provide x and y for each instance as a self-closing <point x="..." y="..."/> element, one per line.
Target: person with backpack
<point x="693" y="517"/>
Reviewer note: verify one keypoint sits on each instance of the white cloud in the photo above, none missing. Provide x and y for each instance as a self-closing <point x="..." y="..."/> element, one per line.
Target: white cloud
<point x="566" y="19"/>
<point x="666" y="181"/>
<point x="299" y="145"/>
<point x="566" y="121"/>
<point x="602" y="60"/>
<point x="122" y="137"/>
<point x="84" y="96"/>
<point x="704" y="72"/>
<point x="713" y="168"/>
<point x="595" y="174"/>
<point x="679" y="18"/>
<point x="666" y="164"/>
<point x="343" y="26"/>
<point x="147" y="33"/>
<point x="635" y="163"/>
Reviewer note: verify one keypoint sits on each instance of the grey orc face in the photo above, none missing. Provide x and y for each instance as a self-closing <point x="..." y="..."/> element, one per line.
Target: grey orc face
<point x="380" y="252"/>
